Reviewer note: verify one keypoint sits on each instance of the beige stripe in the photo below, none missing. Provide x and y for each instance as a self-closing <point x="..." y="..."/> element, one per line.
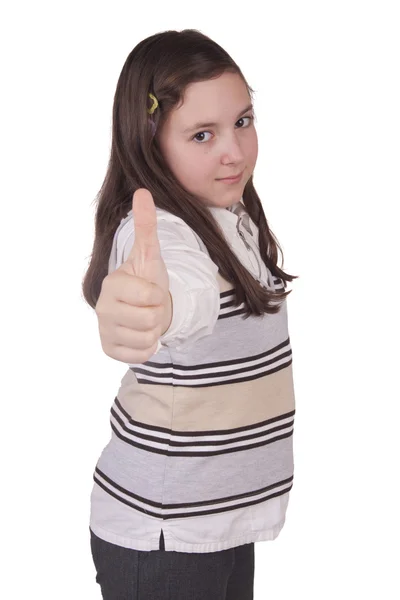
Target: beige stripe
<point x="224" y="284"/>
<point x="208" y="408"/>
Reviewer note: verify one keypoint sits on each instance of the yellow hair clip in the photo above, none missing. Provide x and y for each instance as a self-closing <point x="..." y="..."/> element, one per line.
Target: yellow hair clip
<point x="155" y="104"/>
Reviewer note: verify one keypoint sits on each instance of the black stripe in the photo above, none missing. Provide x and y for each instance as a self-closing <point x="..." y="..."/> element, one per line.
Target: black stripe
<point x="248" y="369"/>
<point x="244" y="496"/>
<point x="200" y="443"/>
<point x="227" y="293"/>
<point x="216" y="383"/>
<point x="227" y="303"/>
<point x="181" y="453"/>
<point x="207" y="431"/>
<point x="124" y="490"/>
<point x="193" y="514"/>
<point x="233" y="313"/>
<point x="125" y="501"/>
<point x="220" y="510"/>
<point x="223" y="363"/>
<point x="160" y="505"/>
<point x="232" y="290"/>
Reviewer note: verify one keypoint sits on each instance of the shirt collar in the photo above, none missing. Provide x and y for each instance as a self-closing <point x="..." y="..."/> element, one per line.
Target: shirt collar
<point x="232" y="215"/>
<point x="236" y="206"/>
<point x="229" y="214"/>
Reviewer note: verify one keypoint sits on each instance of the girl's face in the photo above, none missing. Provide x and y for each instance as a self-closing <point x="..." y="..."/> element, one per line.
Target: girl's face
<point x="210" y="137"/>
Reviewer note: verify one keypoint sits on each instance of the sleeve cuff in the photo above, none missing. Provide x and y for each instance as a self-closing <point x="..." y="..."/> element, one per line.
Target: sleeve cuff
<point x="182" y="309"/>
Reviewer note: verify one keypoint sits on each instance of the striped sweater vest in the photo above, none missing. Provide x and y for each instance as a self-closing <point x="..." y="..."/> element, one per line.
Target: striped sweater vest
<point x="201" y="451"/>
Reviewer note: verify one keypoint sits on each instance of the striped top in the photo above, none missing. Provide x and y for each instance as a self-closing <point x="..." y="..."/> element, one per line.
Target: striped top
<point x="200" y="457"/>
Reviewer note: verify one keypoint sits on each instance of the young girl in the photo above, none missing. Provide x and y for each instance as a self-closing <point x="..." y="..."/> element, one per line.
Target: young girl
<point x="187" y="291"/>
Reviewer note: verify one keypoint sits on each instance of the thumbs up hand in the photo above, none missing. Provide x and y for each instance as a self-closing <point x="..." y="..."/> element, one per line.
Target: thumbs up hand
<point x="135" y="307"/>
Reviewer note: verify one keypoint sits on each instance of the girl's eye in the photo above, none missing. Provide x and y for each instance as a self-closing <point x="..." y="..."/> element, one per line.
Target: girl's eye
<point x="249" y="117"/>
<point x="201" y="141"/>
<point x="195" y="138"/>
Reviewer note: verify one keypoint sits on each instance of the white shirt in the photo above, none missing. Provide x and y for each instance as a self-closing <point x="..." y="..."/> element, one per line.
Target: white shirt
<point x="192" y="274"/>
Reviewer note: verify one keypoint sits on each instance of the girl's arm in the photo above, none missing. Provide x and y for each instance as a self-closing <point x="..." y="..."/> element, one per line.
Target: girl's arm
<point x="171" y="296"/>
<point x="192" y="281"/>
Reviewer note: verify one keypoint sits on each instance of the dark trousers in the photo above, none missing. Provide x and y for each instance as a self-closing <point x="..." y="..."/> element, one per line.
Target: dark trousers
<point x="126" y="574"/>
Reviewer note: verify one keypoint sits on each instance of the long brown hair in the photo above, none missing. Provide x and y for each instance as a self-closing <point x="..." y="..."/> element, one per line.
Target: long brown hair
<point x="163" y="65"/>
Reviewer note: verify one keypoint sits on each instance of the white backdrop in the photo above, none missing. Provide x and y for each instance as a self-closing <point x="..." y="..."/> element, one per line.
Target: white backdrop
<point x="326" y="76"/>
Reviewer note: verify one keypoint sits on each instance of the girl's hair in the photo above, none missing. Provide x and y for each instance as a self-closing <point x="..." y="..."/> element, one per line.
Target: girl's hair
<point x="164" y="65"/>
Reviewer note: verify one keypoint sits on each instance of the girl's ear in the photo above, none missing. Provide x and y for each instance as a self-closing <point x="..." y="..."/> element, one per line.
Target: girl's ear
<point x="152" y="126"/>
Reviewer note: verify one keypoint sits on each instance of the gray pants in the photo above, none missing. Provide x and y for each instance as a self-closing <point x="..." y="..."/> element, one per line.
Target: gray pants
<point x="125" y="574"/>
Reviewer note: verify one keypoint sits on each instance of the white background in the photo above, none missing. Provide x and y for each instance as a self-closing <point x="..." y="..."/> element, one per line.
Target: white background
<point x="326" y="75"/>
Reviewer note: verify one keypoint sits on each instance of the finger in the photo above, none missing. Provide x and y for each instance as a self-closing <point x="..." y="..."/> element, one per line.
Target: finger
<point x="130" y="338"/>
<point x="136" y="318"/>
<point x="130" y="289"/>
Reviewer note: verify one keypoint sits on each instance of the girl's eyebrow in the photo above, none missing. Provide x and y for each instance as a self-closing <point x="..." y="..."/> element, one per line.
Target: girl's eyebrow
<point x="200" y="125"/>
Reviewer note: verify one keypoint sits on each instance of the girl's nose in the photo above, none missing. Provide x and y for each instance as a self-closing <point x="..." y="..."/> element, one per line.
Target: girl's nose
<point x="231" y="150"/>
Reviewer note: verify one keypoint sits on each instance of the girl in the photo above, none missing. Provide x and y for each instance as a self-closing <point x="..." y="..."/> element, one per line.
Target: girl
<point x="200" y="464"/>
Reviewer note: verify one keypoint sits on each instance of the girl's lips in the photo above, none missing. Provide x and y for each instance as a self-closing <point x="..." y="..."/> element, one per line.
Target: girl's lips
<point x="232" y="179"/>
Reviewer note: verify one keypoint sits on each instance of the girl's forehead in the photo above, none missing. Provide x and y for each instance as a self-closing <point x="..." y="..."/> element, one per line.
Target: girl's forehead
<point x="213" y="99"/>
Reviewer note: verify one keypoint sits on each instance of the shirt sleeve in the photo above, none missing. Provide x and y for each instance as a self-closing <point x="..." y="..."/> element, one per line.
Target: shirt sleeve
<point x="192" y="281"/>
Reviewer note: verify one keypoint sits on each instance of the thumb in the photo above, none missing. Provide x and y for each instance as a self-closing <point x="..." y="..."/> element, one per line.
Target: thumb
<point x="145" y="253"/>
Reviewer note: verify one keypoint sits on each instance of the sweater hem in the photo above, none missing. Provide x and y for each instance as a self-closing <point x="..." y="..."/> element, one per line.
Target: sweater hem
<point x="173" y="545"/>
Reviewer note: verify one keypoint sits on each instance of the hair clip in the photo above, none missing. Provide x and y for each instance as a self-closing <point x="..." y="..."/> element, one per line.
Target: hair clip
<point x="155" y="104"/>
